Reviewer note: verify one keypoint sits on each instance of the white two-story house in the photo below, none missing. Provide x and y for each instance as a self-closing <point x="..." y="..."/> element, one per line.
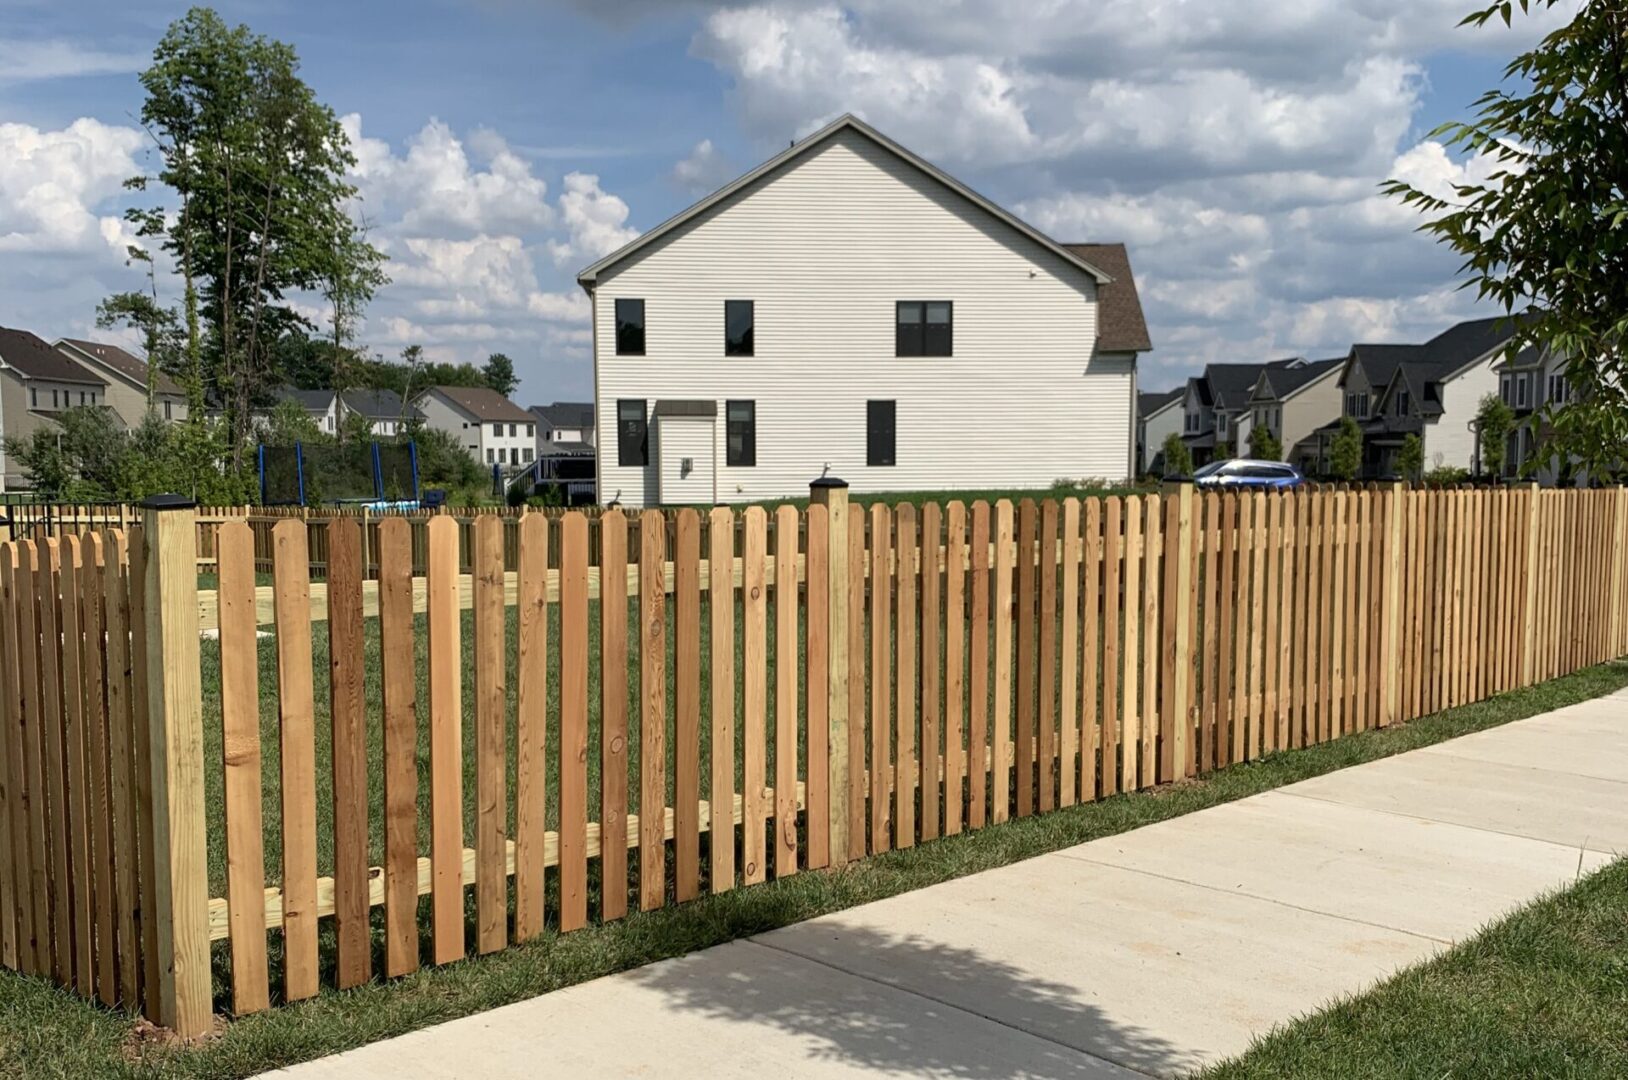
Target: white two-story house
<point x="492" y="428"/>
<point x="848" y="305"/>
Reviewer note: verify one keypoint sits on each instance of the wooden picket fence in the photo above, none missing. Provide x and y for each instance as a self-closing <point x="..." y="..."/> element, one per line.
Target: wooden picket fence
<point x="803" y="688"/>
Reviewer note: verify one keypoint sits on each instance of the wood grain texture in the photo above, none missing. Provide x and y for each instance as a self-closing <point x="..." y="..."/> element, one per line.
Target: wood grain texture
<point x="652" y="709"/>
<point x="858" y="770"/>
<point x="531" y="728"/>
<point x="240" y="739"/>
<point x="1046" y="660"/>
<point x="290" y="568"/>
<point x="1068" y="691"/>
<point x="1004" y="612"/>
<point x="955" y="644"/>
<point x="491" y="690"/>
<point x="818" y="696"/>
<point x="687" y="705"/>
<point x="786" y="652"/>
<point x="907" y="622"/>
<point x="1113" y="541"/>
<point x="1027" y="615"/>
<point x="398" y="683"/>
<point x="614" y="680"/>
<point x="932" y="529"/>
<point x="1152" y="599"/>
<point x="446" y="741"/>
<point x="76" y="782"/>
<point x="754" y="693"/>
<point x="348" y="704"/>
<point x="1130" y="715"/>
<point x="721" y="619"/>
<point x="574" y="722"/>
<point x="978" y="671"/>
<point x="881" y="674"/>
<point x="1091" y="662"/>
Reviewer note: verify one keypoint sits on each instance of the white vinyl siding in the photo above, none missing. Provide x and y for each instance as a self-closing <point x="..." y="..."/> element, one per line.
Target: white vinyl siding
<point x="826" y="247"/>
<point x="1448" y="441"/>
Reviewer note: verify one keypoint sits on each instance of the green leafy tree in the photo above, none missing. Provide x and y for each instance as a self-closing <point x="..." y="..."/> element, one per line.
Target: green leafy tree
<point x="1410" y="459"/>
<point x="1177" y="460"/>
<point x="288" y="423"/>
<point x="1264" y="445"/>
<point x="257" y="167"/>
<point x="443" y="462"/>
<point x="1345" y="453"/>
<point x="1493" y="422"/>
<point x="499" y="374"/>
<point x="1543" y="234"/>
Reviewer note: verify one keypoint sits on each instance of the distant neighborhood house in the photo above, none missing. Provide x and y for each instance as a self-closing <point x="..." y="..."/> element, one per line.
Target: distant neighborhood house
<point x="1158" y="416"/>
<point x="38" y="384"/>
<point x="564" y="427"/>
<point x="847" y="305"/>
<point x="1432" y="391"/>
<point x="386" y="414"/>
<point x="490" y="426"/>
<point x="126" y="377"/>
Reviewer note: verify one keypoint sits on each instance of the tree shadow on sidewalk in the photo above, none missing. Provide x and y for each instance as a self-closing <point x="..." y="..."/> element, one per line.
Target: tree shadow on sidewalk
<point x="1023" y="1026"/>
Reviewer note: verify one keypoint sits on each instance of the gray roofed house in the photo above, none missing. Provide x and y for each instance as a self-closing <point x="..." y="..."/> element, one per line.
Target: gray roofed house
<point x="1158" y="416"/>
<point x="1217" y="405"/>
<point x="492" y="428"/>
<point x="37" y="383"/>
<point x="564" y="422"/>
<point x="1431" y="390"/>
<point x="384" y="410"/>
<point x="1293" y="402"/>
<point x="126" y="375"/>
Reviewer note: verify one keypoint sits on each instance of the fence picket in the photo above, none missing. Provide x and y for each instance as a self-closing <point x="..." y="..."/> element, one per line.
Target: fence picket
<point x="240" y="720"/>
<point x="1068" y="693"/>
<point x="652" y="712"/>
<point x="754" y="695"/>
<point x="291" y="567"/>
<point x="398" y="685"/>
<point x="614" y="680"/>
<point x="1046" y="716"/>
<point x="721" y="612"/>
<point x="932" y="527"/>
<point x="531" y="726"/>
<point x="446" y="741"/>
<point x="687" y="712"/>
<point x="978" y="672"/>
<point x="13" y="812"/>
<point x="491" y="788"/>
<point x="1147" y="756"/>
<point x="76" y="782"/>
<point x="1092" y="666"/>
<point x="955" y="640"/>
<point x="786" y="651"/>
<point x="1112" y="604"/>
<point x="1001" y="734"/>
<point x="1027" y="616"/>
<point x="881" y="674"/>
<point x="817" y="686"/>
<point x="574" y="723"/>
<point x="906" y="622"/>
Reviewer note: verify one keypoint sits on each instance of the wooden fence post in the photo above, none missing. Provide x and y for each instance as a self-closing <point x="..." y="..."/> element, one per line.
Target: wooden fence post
<point x="832" y="494"/>
<point x="175" y="705"/>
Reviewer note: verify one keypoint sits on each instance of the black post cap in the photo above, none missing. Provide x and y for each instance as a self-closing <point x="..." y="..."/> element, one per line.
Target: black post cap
<point x="169" y="501"/>
<point x="828" y="482"/>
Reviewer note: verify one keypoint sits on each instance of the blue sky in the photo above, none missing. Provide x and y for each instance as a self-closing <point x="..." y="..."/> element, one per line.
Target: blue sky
<point x="1235" y="145"/>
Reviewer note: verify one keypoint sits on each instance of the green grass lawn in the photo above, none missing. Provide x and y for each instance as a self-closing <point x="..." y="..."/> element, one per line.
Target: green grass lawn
<point x="47" y="1032"/>
<point x="1544" y="993"/>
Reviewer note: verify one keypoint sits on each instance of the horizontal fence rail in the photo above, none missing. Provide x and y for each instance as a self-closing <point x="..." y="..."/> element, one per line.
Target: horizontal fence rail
<point x="495" y="726"/>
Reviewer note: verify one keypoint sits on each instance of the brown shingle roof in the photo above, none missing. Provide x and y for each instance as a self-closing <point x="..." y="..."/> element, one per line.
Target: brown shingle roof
<point x="1121" y="326"/>
<point x="483" y="403"/>
<point x="34" y="359"/>
<point x="126" y="364"/>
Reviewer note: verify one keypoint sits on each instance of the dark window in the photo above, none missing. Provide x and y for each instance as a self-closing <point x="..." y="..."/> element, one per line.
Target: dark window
<point x="632" y="432"/>
<point x="630" y="328"/>
<point x="738" y="320"/>
<point x="880" y="419"/>
<point x="923" y="328"/>
<point x="741" y="431"/>
<point x="1402" y="402"/>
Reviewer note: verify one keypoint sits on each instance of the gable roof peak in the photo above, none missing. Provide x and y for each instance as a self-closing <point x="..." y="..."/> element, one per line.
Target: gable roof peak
<point x="846" y="122"/>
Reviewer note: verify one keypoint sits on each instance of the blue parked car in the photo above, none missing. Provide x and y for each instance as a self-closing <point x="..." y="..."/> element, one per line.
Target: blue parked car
<point x="1248" y="473"/>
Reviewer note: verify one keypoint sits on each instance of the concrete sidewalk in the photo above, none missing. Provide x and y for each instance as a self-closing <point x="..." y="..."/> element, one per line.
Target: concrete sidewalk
<point x="1151" y="952"/>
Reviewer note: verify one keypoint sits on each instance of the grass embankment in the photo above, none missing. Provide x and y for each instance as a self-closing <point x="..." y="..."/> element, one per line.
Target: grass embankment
<point x="1542" y="993"/>
<point x="47" y="1032"/>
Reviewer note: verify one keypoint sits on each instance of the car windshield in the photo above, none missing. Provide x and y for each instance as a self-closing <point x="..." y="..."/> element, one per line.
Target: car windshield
<point x="1210" y="470"/>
